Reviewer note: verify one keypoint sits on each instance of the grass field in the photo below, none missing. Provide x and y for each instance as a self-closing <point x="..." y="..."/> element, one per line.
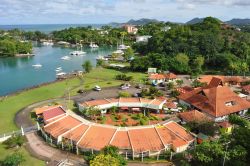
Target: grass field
<point x="11" y="105"/>
<point x="29" y="160"/>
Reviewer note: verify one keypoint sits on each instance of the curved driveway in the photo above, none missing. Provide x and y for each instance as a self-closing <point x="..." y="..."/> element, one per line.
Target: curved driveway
<point x="42" y="150"/>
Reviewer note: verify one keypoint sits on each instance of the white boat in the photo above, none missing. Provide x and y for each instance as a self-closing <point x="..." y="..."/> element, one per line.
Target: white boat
<point x="58" y="69"/>
<point x="37" y="65"/>
<point x="48" y="43"/>
<point x="61" y="75"/>
<point x="65" y="58"/>
<point x="122" y="47"/>
<point x="118" y="52"/>
<point x="93" y="45"/>
<point x="77" y="52"/>
<point x="101" y="58"/>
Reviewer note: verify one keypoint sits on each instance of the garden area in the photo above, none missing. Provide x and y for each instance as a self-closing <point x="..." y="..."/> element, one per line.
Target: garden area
<point x="117" y="117"/>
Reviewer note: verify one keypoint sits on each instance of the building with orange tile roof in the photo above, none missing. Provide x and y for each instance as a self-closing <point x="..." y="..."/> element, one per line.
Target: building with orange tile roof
<point x="137" y="141"/>
<point x="84" y="135"/>
<point x="226" y="80"/>
<point x="157" y="78"/>
<point x="128" y="103"/>
<point x="216" y="101"/>
<point x="193" y="115"/>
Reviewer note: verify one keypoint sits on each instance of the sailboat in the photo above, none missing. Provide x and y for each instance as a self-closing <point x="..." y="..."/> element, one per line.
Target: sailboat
<point x="77" y="52"/>
<point x="93" y="45"/>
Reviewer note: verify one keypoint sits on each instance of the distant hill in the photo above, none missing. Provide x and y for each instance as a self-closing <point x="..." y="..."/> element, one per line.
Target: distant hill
<point x="195" y="20"/>
<point x="237" y="21"/>
<point x="142" y="21"/>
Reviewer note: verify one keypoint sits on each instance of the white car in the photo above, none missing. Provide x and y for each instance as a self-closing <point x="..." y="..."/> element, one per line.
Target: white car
<point x="124" y="87"/>
<point x="97" y="88"/>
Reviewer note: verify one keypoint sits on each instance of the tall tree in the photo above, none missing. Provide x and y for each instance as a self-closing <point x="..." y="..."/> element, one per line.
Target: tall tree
<point x="87" y="66"/>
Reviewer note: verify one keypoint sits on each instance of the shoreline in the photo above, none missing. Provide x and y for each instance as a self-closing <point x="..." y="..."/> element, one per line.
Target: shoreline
<point x="33" y="87"/>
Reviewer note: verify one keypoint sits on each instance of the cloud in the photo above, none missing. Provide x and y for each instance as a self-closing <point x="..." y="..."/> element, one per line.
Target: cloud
<point x="70" y="11"/>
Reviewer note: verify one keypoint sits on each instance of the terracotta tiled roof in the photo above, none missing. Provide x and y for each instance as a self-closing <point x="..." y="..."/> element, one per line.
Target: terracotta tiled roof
<point x="157" y="76"/>
<point x="170" y="76"/>
<point x="213" y="101"/>
<point x="207" y="78"/>
<point x="225" y="124"/>
<point x="51" y="113"/>
<point x="184" y="89"/>
<point x="170" y="105"/>
<point x="40" y="110"/>
<point x="179" y="131"/>
<point x="215" y="82"/>
<point x="61" y="126"/>
<point x="144" y="139"/>
<point x="246" y="88"/>
<point x="129" y="100"/>
<point x="193" y="115"/>
<point x="97" y="137"/>
<point x="224" y="79"/>
<point x="76" y="133"/>
<point x="121" y="140"/>
<point x="96" y="102"/>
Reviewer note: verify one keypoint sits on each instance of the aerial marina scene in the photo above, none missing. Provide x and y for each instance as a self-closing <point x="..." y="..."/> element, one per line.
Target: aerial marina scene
<point x="116" y="83"/>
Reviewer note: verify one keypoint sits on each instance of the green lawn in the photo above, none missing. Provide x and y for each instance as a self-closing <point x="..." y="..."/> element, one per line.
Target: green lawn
<point x="12" y="104"/>
<point x="29" y="160"/>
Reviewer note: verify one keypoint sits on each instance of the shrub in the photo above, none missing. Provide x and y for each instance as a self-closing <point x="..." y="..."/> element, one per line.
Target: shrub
<point x="16" y="140"/>
<point x="13" y="160"/>
<point x="124" y="94"/>
<point x="123" y="77"/>
<point x="234" y="119"/>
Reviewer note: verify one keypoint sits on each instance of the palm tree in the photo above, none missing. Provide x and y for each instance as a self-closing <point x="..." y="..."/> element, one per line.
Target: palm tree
<point x="87" y="66"/>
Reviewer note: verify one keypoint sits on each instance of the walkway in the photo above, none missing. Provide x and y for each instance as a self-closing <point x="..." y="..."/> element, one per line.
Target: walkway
<point x="38" y="147"/>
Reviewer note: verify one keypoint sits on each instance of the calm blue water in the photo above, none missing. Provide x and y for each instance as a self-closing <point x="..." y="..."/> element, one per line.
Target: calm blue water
<point x="18" y="73"/>
<point x="46" y="28"/>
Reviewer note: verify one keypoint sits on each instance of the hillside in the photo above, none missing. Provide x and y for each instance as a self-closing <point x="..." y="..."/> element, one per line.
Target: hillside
<point x="142" y="21"/>
<point x="237" y="21"/>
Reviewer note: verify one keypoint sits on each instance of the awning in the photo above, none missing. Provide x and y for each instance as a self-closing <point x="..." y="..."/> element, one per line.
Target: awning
<point x="135" y="109"/>
<point x="124" y="108"/>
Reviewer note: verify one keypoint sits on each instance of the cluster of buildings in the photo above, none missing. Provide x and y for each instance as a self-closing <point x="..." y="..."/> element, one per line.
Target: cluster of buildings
<point x="64" y="127"/>
<point x="216" y="100"/>
<point x="213" y="102"/>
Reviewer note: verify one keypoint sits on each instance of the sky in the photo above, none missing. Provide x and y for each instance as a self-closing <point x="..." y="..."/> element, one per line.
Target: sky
<point x="106" y="11"/>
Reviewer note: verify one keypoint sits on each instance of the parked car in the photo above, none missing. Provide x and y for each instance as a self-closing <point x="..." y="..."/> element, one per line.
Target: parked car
<point x="125" y="86"/>
<point x="97" y="88"/>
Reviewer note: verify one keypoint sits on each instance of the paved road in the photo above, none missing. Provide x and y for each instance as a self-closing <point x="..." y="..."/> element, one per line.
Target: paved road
<point x="40" y="149"/>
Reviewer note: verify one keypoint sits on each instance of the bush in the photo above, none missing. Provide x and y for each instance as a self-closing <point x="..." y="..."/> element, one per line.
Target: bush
<point x="234" y="119"/>
<point x="13" y="160"/>
<point x="124" y="94"/>
<point x="123" y="77"/>
<point x="16" y="140"/>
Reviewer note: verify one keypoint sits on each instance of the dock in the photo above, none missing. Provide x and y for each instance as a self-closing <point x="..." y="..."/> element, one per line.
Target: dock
<point x="24" y="55"/>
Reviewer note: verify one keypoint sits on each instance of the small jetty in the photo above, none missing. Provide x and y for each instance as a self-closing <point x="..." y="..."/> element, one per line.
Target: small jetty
<point x="24" y="55"/>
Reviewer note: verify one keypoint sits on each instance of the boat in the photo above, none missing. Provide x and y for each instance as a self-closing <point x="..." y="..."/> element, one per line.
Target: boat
<point x="37" y="65"/>
<point x="48" y="43"/>
<point x="77" y="52"/>
<point x="118" y="52"/>
<point x="65" y="58"/>
<point x="101" y="58"/>
<point x="93" y="45"/>
<point x="58" y="69"/>
<point x="61" y="75"/>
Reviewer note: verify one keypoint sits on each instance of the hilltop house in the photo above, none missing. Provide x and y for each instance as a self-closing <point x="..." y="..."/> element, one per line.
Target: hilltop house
<point x="130" y="29"/>
<point x="215" y="100"/>
<point x="142" y="38"/>
<point x="161" y="78"/>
